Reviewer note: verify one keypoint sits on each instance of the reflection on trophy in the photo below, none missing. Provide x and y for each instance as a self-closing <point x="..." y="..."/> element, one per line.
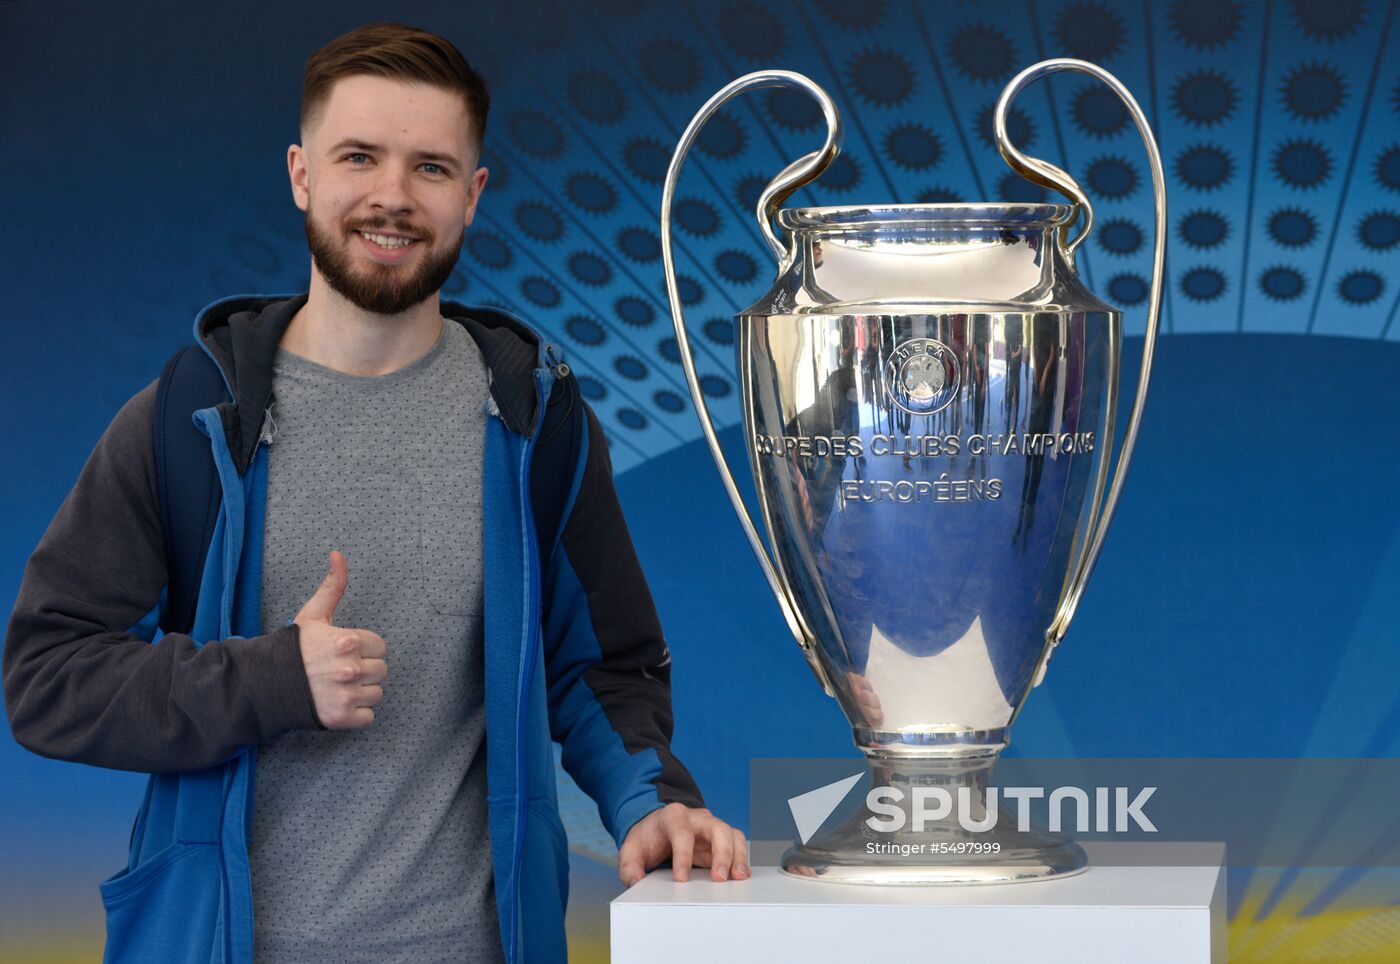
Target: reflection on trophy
<point x="929" y="398"/>
<point x="922" y="380"/>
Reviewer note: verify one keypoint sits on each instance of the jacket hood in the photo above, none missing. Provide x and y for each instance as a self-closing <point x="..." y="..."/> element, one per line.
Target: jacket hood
<point x="241" y="335"/>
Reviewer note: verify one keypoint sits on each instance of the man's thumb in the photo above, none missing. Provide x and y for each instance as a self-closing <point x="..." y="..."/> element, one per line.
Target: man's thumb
<point x="322" y="603"/>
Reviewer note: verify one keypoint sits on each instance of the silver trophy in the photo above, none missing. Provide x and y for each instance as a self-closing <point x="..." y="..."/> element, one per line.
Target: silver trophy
<point x="929" y="396"/>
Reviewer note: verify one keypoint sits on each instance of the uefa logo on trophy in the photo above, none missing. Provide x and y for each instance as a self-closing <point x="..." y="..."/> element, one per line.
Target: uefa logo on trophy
<point x="922" y="376"/>
<point x="929" y="396"/>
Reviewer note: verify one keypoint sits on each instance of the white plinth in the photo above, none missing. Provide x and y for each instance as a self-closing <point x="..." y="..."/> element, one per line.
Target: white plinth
<point x="1107" y="915"/>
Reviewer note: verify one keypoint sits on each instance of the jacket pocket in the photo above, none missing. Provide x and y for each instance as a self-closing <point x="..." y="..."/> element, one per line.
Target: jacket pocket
<point x="544" y="884"/>
<point x="452" y="555"/>
<point x="548" y="814"/>
<point x="167" y="909"/>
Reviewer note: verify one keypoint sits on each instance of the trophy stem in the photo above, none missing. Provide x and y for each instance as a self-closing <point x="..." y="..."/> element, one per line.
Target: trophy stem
<point x="934" y="745"/>
<point x="934" y="821"/>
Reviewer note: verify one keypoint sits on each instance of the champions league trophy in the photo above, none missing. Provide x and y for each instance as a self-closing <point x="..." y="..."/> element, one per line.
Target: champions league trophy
<point x="929" y="396"/>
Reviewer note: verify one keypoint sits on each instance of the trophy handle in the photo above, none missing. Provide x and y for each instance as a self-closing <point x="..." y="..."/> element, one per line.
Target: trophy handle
<point x="1041" y="172"/>
<point x="792" y="177"/>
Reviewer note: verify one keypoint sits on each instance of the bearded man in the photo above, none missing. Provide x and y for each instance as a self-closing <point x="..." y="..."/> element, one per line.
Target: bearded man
<point x="307" y="804"/>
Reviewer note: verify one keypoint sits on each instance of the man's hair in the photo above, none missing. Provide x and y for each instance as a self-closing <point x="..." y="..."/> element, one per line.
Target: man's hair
<point x="398" y="52"/>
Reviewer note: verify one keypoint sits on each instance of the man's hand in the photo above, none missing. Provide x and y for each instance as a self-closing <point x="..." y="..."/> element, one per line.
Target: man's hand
<point x="344" y="666"/>
<point x="686" y="835"/>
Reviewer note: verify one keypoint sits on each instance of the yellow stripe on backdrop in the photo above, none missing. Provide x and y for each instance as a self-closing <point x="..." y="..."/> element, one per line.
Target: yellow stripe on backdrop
<point x="1364" y="936"/>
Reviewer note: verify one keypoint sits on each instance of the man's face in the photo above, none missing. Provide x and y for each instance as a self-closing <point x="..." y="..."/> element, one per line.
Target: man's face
<point x="388" y="179"/>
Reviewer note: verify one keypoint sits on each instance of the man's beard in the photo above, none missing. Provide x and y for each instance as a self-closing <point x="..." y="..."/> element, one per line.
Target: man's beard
<point x="381" y="289"/>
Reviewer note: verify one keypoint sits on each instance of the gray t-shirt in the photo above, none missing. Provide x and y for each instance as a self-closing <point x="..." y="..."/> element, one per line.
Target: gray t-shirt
<point x="372" y="844"/>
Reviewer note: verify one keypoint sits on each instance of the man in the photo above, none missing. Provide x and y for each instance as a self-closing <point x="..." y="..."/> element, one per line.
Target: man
<point x="438" y="466"/>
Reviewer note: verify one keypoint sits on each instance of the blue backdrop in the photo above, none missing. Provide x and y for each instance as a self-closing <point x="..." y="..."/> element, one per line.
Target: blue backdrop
<point x="1244" y="605"/>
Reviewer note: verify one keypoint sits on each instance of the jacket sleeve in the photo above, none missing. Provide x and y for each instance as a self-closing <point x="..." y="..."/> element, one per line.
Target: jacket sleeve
<point x="608" y="668"/>
<point x="83" y="684"/>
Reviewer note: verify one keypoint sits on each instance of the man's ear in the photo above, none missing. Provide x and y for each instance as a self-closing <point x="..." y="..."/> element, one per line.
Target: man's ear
<point x="474" y="194"/>
<point x="296" y="171"/>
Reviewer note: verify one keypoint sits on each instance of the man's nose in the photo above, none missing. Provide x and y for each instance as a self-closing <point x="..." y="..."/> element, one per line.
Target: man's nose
<point x="390" y="192"/>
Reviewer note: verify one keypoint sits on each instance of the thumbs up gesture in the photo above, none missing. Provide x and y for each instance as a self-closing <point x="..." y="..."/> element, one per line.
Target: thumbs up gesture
<point x="344" y="666"/>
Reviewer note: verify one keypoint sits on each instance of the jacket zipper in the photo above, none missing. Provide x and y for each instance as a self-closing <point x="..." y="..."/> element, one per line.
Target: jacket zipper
<point x="529" y="636"/>
<point x="217" y="441"/>
<point x="265" y="436"/>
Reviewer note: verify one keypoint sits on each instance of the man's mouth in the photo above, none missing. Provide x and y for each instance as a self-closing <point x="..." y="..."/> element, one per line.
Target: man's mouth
<point x="387" y="241"/>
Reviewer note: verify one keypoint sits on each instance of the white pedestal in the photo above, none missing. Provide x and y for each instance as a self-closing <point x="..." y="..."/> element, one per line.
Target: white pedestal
<point x="1107" y="915"/>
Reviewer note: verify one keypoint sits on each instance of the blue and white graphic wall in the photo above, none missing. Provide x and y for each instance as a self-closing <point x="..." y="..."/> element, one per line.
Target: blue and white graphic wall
<point x="1245" y="603"/>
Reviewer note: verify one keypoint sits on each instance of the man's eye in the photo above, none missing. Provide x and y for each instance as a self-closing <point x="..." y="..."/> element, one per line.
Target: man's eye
<point x="351" y="157"/>
<point x="436" y="169"/>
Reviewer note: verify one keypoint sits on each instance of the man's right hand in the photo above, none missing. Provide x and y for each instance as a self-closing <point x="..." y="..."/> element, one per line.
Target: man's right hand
<point x="344" y="666"/>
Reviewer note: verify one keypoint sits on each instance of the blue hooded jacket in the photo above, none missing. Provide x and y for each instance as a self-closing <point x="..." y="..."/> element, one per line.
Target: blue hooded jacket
<point x="573" y="649"/>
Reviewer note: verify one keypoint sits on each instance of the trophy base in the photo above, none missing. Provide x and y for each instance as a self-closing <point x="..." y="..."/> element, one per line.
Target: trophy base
<point x="863" y="849"/>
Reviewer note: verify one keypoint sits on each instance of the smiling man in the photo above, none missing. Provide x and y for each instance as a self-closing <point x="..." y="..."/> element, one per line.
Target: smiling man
<point x="416" y="574"/>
